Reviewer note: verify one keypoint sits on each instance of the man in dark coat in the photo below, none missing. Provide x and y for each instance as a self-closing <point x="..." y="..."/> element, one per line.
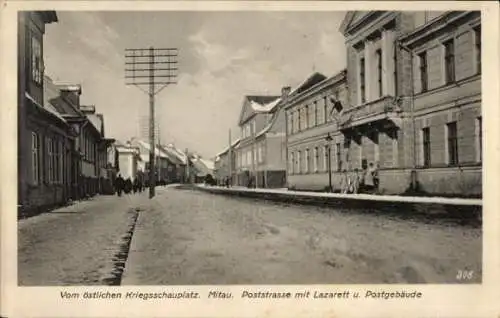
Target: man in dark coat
<point x="119" y="183"/>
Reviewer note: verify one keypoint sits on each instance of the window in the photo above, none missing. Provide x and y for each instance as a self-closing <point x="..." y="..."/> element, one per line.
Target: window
<point x="393" y="134"/>
<point x="362" y="80"/>
<point x="451" y="131"/>
<point x="291" y="163"/>
<point x="347" y="145"/>
<point x="291" y="123"/>
<point x="298" y="161"/>
<point x="378" y="54"/>
<point x="426" y="147"/>
<point x="477" y="43"/>
<point x="316" y="116"/>
<point x="306" y="161"/>
<point x="479" y="139"/>
<point x="35" y="154"/>
<point x="422" y="58"/>
<point x="338" y="156"/>
<point x="299" y="111"/>
<point x="315" y="162"/>
<point x="449" y="58"/>
<point x="50" y="162"/>
<point x="325" y="158"/>
<point x="253" y="127"/>
<point x="376" y="148"/>
<point x="327" y="115"/>
<point x="36" y="60"/>
<point x="306" y="124"/>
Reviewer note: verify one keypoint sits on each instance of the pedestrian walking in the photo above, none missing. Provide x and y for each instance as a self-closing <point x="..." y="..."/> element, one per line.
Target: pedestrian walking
<point x="119" y="183"/>
<point x="128" y="186"/>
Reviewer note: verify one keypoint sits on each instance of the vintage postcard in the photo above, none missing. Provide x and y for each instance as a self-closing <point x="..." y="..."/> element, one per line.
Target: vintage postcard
<point x="248" y="159"/>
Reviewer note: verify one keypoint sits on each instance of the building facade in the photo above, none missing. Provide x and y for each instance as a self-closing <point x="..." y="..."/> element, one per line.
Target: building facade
<point x="414" y="100"/>
<point x="261" y="153"/>
<point x="446" y="86"/>
<point x="312" y="120"/>
<point x="223" y="162"/>
<point x="44" y="137"/>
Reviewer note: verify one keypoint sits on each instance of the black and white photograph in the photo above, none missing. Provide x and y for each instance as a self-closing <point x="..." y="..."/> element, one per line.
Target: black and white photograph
<point x="249" y="147"/>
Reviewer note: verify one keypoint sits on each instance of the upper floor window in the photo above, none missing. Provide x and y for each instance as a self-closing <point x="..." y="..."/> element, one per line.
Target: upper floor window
<point x="36" y="60"/>
<point x="327" y="115"/>
<point x="306" y="123"/>
<point x="362" y="80"/>
<point x="299" y="111"/>
<point x="338" y="157"/>
<point x="316" y="115"/>
<point x="449" y="61"/>
<point x="378" y="55"/>
<point x="477" y="43"/>
<point x="422" y="58"/>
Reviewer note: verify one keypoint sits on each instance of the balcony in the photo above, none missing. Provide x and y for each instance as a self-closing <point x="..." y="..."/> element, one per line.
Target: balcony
<point x="385" y="109"/>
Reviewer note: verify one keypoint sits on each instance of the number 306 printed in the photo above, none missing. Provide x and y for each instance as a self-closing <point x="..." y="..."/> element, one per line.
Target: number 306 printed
<point x="465" y="275"/>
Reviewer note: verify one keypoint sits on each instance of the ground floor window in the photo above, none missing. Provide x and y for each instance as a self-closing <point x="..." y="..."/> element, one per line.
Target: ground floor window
<point x="315" y="163"/>
<point x="306" y="161"/>
<point x="35" y="158"/>
<point x="479" y="139"/>
<point x="426" y="147"/>
<point x="338" y="156"/>
<point x="452" y="143"/>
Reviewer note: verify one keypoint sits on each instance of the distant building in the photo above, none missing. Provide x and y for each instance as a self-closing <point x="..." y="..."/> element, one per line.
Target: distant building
<point x="222" y="162"/>
<point x="126" y="159"/>
<point x="312" y="112"/>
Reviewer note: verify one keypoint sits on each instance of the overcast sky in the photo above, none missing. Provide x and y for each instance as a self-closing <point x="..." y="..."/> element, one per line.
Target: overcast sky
<point x="222" y="57"/>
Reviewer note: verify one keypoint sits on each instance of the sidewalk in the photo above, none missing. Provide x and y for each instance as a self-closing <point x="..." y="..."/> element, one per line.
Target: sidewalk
<point x="77" y="244"/>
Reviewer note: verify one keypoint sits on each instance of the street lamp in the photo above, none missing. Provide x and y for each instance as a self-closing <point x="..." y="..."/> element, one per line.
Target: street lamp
<point x="328" y="139"/>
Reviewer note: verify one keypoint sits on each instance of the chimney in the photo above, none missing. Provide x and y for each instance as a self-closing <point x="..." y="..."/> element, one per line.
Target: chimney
<point x="285" y="91"/>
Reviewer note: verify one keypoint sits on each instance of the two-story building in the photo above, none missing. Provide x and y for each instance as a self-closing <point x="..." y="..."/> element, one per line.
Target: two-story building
<point x="43" y="135"/>
<point x="261" y="152"/>
<point x="445" y="48"/>
<point x="315" y="145"/>
<point x="414" y="99"/>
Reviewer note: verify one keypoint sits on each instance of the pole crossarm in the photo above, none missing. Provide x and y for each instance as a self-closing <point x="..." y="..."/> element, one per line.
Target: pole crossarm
<point x="152" y="75"/>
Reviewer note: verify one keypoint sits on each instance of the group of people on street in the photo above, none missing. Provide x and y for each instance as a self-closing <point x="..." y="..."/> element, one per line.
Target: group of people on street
<point x="127" y="186"/>
<point x="364" y="180"/>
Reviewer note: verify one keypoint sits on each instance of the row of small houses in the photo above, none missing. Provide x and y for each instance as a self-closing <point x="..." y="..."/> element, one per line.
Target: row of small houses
<point x="61" y="143"/>
<point x="408" y="102"/>
<point x="172" y="165"/>
<point x="63" y="153"/>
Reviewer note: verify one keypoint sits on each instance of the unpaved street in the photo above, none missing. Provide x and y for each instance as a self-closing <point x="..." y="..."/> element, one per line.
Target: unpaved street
<point x="189" y="237"/>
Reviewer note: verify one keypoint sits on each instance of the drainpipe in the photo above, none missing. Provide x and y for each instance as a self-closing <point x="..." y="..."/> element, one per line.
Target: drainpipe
<point x="412" y="113"/>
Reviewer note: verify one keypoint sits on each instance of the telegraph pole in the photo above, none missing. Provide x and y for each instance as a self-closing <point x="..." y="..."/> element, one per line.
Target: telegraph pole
<point x="230" y="161"/>
<point x="155" y="68"/>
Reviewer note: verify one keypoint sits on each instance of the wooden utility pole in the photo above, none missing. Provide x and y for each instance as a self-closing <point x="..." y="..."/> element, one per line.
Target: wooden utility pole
<point x="230" y="160"/>
<point x="151" y="67"/>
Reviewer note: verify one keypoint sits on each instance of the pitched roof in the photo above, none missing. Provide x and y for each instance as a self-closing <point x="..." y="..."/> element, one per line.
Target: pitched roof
<point x="261" y="99"/>
<point x="311" y="80"/>
<point x="47" y="107"/>
<point x="233" y="144"/>
<point x="177" y="153"/>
